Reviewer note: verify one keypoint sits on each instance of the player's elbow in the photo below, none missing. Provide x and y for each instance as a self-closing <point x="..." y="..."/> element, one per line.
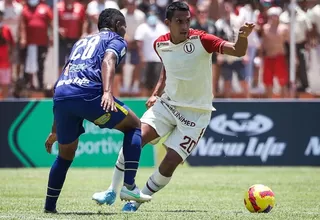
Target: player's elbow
<point x="234" y="50"/>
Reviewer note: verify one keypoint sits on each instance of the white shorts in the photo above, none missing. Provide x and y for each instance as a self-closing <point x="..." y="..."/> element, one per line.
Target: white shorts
<point x="185" y="125"/>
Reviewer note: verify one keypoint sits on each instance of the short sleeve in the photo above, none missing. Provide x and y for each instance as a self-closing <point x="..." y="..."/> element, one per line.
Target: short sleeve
<point x="212" y="43"/>
<point x="118" y="47"/>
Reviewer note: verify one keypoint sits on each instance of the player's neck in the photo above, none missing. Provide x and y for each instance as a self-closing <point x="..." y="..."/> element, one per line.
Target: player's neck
<point x="105" y="29"/>
<point x="273" y="25"/>
<point x="177" y="40"/>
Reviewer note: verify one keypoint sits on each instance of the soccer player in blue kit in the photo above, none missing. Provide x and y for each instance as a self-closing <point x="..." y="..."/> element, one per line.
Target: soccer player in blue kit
<point x="84" y="91"/>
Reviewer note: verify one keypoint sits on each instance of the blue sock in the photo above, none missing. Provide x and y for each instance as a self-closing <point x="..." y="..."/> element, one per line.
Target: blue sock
<point x="131" y="153"/>
<point x="57" y="176"/>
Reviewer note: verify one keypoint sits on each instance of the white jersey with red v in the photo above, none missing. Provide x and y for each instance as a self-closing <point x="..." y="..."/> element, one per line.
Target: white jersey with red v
<point x="188" y="67"/>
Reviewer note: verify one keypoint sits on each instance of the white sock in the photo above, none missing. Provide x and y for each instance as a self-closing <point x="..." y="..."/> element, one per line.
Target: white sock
<point x="118" y="173"/>
<point x="155" y="183"/>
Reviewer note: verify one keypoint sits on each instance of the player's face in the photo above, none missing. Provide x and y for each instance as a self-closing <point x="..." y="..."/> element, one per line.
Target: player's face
<point x="179" y="26"/>
<point x="121" y="27"/>
<point x="274" y="19"/>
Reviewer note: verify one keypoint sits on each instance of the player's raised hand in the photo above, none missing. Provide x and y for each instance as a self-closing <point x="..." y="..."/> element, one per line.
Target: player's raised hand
<point x="151" y="101"/>
<point x="107" y="102"/>
<point x="50" y="141"/>
<point x="246" y="29"/>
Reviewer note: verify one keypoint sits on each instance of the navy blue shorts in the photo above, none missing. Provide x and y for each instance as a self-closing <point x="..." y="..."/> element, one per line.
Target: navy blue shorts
<point x="69" y="115"/>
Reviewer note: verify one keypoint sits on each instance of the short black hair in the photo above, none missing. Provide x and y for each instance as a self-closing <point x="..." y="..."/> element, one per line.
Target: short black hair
<point x="109" y="17"/>
<point x="176" y="6"/>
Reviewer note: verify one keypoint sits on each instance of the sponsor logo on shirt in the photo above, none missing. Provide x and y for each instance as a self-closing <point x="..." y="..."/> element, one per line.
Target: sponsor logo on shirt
<point x="74" y="81"/>
<point x="194" y="37"/>
<point x="102" y="119"/>
<point x="160" y="44"/>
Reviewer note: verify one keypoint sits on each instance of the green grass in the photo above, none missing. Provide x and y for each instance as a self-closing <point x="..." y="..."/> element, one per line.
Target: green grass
<point x="193" y="193"/>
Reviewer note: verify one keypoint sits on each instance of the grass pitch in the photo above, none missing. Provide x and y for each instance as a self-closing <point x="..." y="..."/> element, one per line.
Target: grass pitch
<point x="193" y="193"/>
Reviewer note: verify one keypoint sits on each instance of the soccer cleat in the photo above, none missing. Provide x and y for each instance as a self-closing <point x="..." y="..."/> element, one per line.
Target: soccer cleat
<point x="129" y="207"/>
<point x="134" y="195"/>
<point x="106" y="197"/>
<point x="52" y="212"/>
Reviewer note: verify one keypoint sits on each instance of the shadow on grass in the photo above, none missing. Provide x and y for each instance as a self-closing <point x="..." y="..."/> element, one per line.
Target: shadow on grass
<point x="177" y="211"/>
<point x="88" y="213"/>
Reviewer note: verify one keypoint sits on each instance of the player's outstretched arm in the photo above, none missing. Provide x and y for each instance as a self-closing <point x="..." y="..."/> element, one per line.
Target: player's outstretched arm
<point x="239" y="48"/>
<point x="108" y="71"/>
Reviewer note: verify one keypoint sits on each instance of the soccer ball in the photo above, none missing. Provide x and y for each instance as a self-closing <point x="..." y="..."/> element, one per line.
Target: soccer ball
<point x="259" y="198"/>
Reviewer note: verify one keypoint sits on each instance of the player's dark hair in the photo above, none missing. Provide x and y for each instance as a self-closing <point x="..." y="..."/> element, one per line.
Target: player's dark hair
<point x="175" y="6"/>
<point x="109" y="17"/>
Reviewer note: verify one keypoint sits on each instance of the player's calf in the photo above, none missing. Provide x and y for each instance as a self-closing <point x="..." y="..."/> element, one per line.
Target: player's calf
<point x="159" y="179"/>
<point x="58" y="174"/>
<point x="170" y="163"/>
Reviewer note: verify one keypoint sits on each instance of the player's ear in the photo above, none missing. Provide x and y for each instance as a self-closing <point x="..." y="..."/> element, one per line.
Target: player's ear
<point x="167" y="22"/>
<point x="117" y="26"/>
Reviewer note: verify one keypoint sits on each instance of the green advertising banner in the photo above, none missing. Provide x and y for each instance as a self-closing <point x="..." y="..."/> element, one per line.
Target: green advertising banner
<point x="97" y="147"/>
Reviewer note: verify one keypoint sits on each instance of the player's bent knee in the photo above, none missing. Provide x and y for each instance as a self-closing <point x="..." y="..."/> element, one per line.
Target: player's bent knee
<point x="68" y="151"/>
<point x="148" y="134"/>
<point x="170" y="163"/>
<point x="129" y="122"/>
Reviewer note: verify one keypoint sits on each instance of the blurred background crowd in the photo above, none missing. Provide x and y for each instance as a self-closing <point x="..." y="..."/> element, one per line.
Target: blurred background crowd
<point x="26" y="41"/>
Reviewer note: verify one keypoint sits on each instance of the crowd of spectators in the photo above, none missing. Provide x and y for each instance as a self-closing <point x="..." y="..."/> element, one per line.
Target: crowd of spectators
<point x="26" y="34"/>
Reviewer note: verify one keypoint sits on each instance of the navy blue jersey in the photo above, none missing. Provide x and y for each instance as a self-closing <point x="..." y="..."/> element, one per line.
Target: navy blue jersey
<point x="81" y="76"/>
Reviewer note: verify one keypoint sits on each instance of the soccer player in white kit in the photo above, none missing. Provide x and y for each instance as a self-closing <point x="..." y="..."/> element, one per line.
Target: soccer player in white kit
<point x="181" y="104"/>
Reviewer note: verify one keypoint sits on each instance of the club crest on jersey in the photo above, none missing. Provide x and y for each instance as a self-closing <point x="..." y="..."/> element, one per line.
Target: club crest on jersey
<point x="188" y="47"/>
<point x="103" y="119"/>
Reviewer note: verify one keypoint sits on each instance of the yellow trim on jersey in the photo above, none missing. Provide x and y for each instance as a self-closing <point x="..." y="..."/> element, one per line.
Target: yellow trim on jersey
<point x="121" y="108"/>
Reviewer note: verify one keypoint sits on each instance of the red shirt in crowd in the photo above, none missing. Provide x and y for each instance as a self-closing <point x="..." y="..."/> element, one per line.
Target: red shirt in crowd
<point x="37" y="20"/>
<point x="71" y="19"/>
<point x="6" y="40"/>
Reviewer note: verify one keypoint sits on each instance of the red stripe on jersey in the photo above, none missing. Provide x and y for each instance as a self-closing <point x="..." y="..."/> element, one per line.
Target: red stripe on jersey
<point x="160" y="39"/>
<point x="211" y="43"/>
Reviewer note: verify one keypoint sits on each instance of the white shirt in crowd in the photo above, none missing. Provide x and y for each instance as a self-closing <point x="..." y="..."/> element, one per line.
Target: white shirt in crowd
<point x="314" y="16"/>
<point x="148" y="35"/>
<point x="95" y="8"/>
<point x="302" y="24"/>
<point x="133" y="21"/>
<point x="247" y="14"/>
<point x="231" y="30"/>
<point x="12" y="15"/>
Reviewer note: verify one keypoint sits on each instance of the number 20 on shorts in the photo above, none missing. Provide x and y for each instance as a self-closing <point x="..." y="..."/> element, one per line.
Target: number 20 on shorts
<point x="189" y="144"/>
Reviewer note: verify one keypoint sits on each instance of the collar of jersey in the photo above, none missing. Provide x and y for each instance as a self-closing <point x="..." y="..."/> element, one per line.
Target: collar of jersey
<point x="188" y="38"/>
<point x="105" y="29"/>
